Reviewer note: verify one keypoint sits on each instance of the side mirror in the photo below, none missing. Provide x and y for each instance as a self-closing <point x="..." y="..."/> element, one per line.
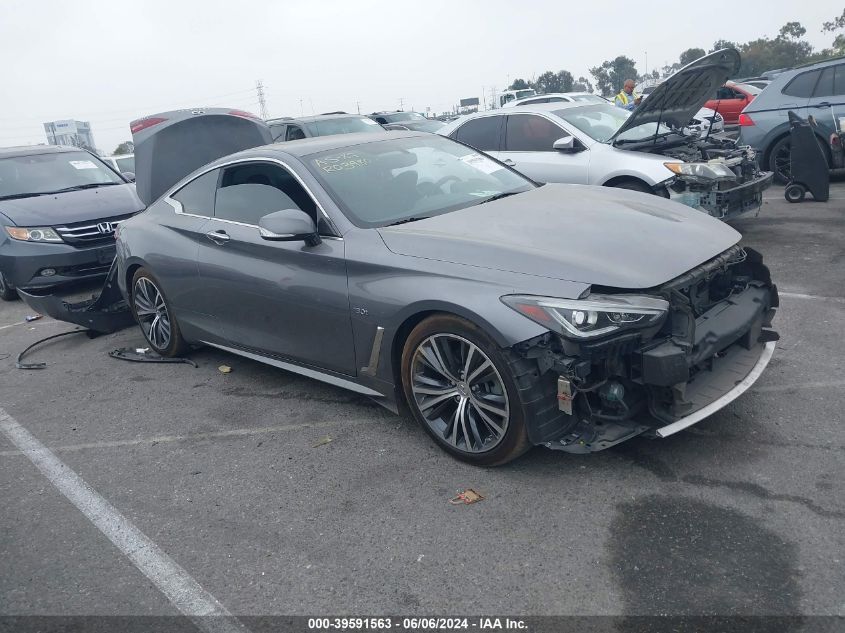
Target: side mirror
<point x="129" y="175"/>
<point x="565" y="144"/>
<point x="289" y="225"/>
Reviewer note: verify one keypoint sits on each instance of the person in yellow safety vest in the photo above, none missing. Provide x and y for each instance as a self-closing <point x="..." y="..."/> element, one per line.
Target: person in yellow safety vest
<point x="626" y="97"/>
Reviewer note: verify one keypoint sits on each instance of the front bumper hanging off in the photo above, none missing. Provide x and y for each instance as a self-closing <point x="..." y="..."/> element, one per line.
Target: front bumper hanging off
<point x="105" y="313"/>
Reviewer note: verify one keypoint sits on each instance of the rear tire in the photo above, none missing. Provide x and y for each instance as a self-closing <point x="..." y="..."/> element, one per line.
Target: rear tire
<point x="154" y="315"/>
<point x="478" y="413"/>
<point x="7" y="290"/>
<point x="794" y="193"/>
<point x="779" y="157"/>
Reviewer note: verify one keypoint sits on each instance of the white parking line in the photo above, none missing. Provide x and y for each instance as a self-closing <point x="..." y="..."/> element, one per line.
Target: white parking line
<point x="168" y="439"/>
<point x="798" y="295"/>
<point x="175" y="583"/>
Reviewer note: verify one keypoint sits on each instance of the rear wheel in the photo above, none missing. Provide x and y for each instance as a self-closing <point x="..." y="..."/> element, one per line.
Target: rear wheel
<point x="460" y="387"/>
<point x="7" y="290"/>
<point x="779" y="157"/>
<point x="154" y="315"/>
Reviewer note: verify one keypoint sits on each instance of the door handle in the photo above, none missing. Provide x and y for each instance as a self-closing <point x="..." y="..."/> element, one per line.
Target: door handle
<point x="509" y="162"/>
<point x="218" y="237"/>
<point x="823" y="104"/>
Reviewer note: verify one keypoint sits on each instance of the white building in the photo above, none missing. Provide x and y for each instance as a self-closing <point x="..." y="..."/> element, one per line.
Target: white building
<point x="70" y="132"/>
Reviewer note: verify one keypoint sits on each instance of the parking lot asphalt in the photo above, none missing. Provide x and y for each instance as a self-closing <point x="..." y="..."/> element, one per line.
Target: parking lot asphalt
<point x="234" y="478"/>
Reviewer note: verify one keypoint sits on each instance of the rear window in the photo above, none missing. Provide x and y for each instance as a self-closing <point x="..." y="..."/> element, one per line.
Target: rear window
<point x="802" y="85"/>
<point x="345" y="125"/>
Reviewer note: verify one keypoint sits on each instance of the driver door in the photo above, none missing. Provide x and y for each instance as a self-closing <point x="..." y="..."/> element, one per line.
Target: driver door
<point x="280" y="299"/>
<point x="528" y="148"/>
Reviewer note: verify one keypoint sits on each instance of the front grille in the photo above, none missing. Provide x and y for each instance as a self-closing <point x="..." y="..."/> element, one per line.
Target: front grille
<point x="91" y="232"/>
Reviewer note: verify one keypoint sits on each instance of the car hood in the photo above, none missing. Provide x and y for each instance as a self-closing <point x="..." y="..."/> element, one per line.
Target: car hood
<point x="73" y="206"/>
<point x="678" y="98"/>
<point x="594" y="235"/>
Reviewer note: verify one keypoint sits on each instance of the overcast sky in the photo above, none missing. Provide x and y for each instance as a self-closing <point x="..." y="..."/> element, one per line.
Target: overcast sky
<point x="110" y="61"/>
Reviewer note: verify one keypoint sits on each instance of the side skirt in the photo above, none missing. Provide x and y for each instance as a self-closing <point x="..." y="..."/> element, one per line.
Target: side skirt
<point x="298" y="369"/>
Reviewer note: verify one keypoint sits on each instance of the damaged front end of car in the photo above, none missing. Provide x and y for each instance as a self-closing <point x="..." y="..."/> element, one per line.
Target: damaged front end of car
<point x="716" y="175"/>
<point x="654" y="361"/>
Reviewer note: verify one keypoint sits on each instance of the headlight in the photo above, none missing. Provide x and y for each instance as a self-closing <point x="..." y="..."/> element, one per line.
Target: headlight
<point x="34" y="234"/>
<point x="594" y="316"/>
<point x="703" y="171"/>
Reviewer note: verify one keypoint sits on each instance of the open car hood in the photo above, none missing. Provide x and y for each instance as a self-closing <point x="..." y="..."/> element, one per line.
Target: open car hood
<point x="171" y="145"/>
<point x="676" y="100"/>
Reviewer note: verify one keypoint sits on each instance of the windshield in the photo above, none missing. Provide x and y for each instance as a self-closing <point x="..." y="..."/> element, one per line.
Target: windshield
<point x="396" y="117"/>
<point x="381" y="183"/>
<point x="602" y="120"/>
<point x="588" y="98"/>
<point x="342" y="125"/>
<point x="36" y="174"/>
<point x="522" y="94"/>
<point x="125" y="163"/>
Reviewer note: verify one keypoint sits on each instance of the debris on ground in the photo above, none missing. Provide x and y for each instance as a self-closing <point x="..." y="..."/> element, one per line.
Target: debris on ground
<point x="322" y="441"/>
<point x="33" y="317"/>
<point x="224" y="369"/>
<point x="145" y="355"/>
<point x="466" y="497"/>
<point x="21" y="365"/>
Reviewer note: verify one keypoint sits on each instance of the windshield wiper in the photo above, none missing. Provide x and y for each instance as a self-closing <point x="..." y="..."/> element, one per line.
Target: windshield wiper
<point x="31" y="194"/>
<point x="499" y="196"/>
<point x="90" y="185"/>
<point x="406" y="220"/>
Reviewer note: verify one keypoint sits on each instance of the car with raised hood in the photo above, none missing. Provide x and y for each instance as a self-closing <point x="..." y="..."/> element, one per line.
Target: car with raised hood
<point x="652" y="149"/>
<point x="420" y="272"/>
<point x="59" y="207"/>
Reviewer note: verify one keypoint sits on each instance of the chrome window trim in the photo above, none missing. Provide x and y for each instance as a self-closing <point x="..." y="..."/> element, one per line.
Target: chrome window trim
<point x="180" y="210"/>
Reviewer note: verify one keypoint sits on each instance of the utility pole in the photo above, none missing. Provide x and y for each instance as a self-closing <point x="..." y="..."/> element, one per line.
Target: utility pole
<point x="646" y="63"/>
<point x="401" y="103"/>
<point x="358" y="104"/>
<point x="301" y="109"/>
<point x="262" y="102"/>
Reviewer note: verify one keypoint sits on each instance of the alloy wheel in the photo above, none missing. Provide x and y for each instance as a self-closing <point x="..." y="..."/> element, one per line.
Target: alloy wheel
<point x="459" y="393"/>
<point x="782" y="167"/>
<point x="152" y="314"/>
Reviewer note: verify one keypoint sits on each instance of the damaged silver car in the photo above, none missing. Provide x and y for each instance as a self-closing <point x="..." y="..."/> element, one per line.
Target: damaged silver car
<point x="656" y="149"/>
<point x="415" y="270"/>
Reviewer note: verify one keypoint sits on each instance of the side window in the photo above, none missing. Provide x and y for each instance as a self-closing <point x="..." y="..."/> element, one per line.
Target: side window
<point x="294" y="133"/>
<point x="825" y="86"/>
<point x="482" y="133"/>
<point x="531" y="133"/>
<point x="197" y="197"/>
<point x="250" y="191"/>
<point x="839" y="80"/>
<point x="802" y="85"/>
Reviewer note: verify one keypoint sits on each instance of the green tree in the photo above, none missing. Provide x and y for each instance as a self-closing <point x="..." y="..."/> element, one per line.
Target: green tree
<point x="520" y="84"/>
<point x="582" y="84"/>
<point x="612" y="74"/>
<point x="690" y="55"/>
<point x="126" y="147"/>
<point x="837" y="24"/>
<point x="792" y="30"/>
<point x="720" y="44"/>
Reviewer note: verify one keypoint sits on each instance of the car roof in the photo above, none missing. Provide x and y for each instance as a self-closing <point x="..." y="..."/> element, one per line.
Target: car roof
<point x="546" y="107"/>
<point x="313" y="145"/>
<point x="29" y="150"/>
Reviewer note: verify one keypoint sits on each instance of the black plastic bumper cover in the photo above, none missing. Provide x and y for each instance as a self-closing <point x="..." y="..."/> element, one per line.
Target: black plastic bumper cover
<point x="105" y="313"/>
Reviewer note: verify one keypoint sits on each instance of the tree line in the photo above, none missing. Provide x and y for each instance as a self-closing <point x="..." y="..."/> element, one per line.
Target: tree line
<point x="786" y="50"/>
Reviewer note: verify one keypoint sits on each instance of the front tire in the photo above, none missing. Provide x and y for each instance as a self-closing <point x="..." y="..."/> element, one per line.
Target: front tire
<point x="460" y="388"/>
<point x="7" y="290"/>
<point x="155" y="316"/>
<point x="779" y="158"/>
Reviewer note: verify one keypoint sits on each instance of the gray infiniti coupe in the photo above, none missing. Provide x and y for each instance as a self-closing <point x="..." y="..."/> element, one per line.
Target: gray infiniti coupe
<point x="413" y="269"/>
